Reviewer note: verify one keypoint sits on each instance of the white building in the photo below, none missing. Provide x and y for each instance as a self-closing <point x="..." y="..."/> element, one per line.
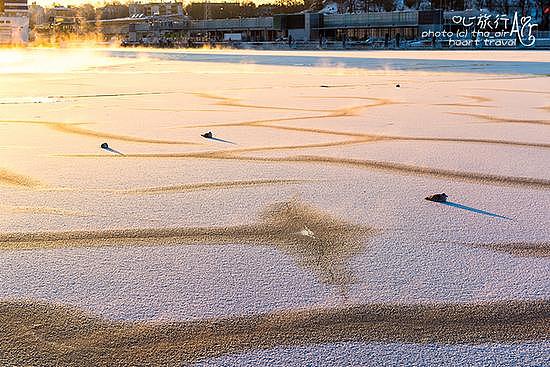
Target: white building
<point x="14" y="22"/>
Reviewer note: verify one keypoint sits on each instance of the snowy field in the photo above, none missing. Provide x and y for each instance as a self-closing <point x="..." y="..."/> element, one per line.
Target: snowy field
<point x="309" y="199"/>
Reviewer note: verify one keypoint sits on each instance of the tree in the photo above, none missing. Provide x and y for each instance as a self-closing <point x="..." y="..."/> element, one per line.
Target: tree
<point x="248" y="9"/>
<point x="86" y="11"/>
<point x="289" y="6"/>
<point x="313" y="5"/>
<point x="411" y="4"/>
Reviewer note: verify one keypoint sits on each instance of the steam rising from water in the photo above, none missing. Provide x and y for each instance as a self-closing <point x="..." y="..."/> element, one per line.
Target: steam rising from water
<point x="45" y="61"/>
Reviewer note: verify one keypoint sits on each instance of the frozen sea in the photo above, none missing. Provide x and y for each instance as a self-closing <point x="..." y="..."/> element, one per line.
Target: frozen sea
<point x="329" y="129"/>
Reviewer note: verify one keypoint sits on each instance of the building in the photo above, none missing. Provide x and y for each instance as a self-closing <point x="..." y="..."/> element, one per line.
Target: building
<point x="314" y="27"/>
<point x="63" y="19"/>
<point x="395" y="29"/>
<point x="389" y="27"/>
<point x="13" y="8"/>
<point x="37" y="15"/>
<point x="395" y="25"/>
<point x="156" y="9"/>
<point x="14" y="22"/>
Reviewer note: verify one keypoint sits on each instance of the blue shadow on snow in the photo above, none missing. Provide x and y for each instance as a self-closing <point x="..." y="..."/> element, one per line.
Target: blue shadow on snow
<point x="479" y="211"/>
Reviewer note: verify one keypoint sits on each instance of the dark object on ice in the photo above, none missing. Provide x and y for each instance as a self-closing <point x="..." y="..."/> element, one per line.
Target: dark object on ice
<point x="438" y="198"/>
<point x="109" y="149"/>
<point x="209" y="135"/>
<point x="397" y="86"/>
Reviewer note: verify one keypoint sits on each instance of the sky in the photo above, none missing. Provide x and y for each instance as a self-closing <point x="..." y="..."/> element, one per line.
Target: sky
<point x="101" y="2"/>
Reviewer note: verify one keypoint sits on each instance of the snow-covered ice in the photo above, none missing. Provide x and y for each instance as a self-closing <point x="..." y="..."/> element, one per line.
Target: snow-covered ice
<point x="328" y="129"/>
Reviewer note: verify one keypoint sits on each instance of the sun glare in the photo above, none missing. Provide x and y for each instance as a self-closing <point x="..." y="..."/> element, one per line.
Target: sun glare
<point x="61" y="61"/>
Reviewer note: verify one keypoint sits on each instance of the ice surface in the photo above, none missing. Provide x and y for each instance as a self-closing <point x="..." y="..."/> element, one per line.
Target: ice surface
<point x="392" y="354"/>
<point x="472" y="125"/>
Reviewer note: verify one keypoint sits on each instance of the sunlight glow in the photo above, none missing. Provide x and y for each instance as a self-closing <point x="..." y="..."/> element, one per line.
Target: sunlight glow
<point x="47" y="62"/>
<point x="99" y="3"/>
